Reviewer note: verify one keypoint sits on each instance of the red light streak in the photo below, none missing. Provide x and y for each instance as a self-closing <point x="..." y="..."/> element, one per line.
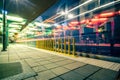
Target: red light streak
<point x="59" y="27"/>
<point x="82" y="22"/>
<point x="88" y="26"/>
<point x="109" y="14"/>
<point x="74" y="22"/>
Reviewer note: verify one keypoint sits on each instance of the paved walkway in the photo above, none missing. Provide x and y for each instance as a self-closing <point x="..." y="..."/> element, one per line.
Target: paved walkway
<point x="39" y="64"/>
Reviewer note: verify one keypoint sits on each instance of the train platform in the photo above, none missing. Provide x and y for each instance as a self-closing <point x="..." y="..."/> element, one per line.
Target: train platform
<point x="21" y="62"/>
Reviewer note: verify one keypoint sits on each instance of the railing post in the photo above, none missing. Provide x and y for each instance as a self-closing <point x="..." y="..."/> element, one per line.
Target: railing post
<point x="73" y="43"/>
<point x="64" y="45"/>
<point x="68" y="45"/>
<point x="61" y="45"/>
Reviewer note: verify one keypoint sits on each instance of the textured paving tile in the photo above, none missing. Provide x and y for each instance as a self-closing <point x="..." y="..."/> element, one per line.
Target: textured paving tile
<point x="60" y="70"/>
<point x="45" y="75"/>
<point x="104" y="74"/>
<point x="39" y="60"/>
<point x="51" y="65"/>
<point x="74" y="65"/>
<point x="60" y="63"/>
<point x="49" y="58"/>
<point x="88" y="79"/>
<point x="56" y="60"/>
<point x="87" y="70"/>
<point x="10" y="69"/>
<point x="57" y="78"/>
<point x="44" y="62"/>
<point x="72" y="76"/>
<point x="27" y="72"/>
<point x="31" y="62"/>
<point x="13" y="57"/>
<point x="39" y="68"/>
<point x="32" y="78"/>
<point x="4" y="58"/>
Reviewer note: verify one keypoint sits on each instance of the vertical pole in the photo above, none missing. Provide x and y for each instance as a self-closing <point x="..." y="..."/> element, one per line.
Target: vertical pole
<point x="53" y="44"/>
<point x="50" y="44"/>
<point x="58" y="44"/>
<point x="80" y="34"/>
<point x="97" y="39"/>
<point x="73" y="43"/>
<point x="64" y="45"/>
<point x="112" y="38"/>
<point x="36" y="44"/>
<point x="68" y="45"/>
<point x="4" y="26"/>
<point x="43" y="44"/>
<point x="39" y="43"/>
<point x="7" y="39"/>
<point x="61" y="45"/>
<point x="46" y="44"/>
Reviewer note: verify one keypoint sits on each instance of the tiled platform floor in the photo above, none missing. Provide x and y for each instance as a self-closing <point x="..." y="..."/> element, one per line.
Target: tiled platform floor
<point x="49" y="65"/>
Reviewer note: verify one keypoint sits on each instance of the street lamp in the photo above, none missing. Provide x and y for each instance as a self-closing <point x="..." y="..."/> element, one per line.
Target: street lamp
<point x="4" y="26"/>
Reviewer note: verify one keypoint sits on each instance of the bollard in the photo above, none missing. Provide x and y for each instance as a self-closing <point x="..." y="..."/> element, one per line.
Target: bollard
<point x="73" y="43"/>
<point x="64" y="45"/>
<point x="68" y="45"/>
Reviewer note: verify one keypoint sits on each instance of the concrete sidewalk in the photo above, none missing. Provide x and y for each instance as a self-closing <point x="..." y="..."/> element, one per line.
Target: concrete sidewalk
<point x="39" y="64"/>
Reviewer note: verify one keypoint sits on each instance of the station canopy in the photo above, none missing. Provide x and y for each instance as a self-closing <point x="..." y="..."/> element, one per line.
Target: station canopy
<point x="21" y="12"/>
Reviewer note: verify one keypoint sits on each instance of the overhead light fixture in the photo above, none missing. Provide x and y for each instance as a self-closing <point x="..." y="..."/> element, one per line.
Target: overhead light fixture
<point x="70" y="16"/>
<point x="13" y="18"/>
<point x="13" y="31"/>
<point x="14" y="26"/>
<point x="56" y="24"/>
<point x="30" y="32"/>
<point x="18" y="23"/>
<point x="42" y="24"/>
<point x="30" y="24"/>
<point x="64" y="12"/>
